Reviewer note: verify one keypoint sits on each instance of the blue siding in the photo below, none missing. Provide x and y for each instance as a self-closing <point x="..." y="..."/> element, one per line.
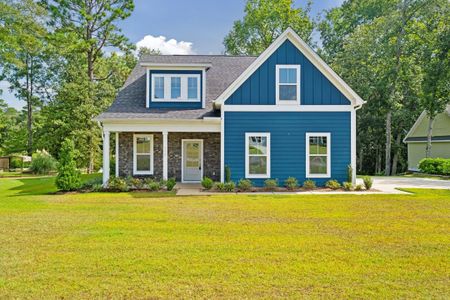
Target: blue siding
<point x="315" y="88"/>
<point x="288" y="134"/>
<point x="175" y="105"/>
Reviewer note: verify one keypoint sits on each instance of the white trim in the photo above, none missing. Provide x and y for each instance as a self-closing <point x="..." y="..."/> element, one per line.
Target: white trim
<point x="285" y="108"/>
<point x="117" y="154"/>
<point x="414" y="127"/>
<point x="315" y="59"/>
<point x="247" y="161"/>
<point x="165" y="135"/>
<point x="147" y="91"/>
<point x="318" y="134"/>
<point x="203" y="85"/>
<point x="151" y="153"/>
<point x="424" y="142"/>
<point x="176" y="66"/>
<point x="222" y="143"/>
<point x="105" y="157"/>
<point x="182" y="159"/>
<point x="163" y="125"/>
<point x="183" y="88"/>
<point x="277" y="85"/>
<point x="353" y="144"/>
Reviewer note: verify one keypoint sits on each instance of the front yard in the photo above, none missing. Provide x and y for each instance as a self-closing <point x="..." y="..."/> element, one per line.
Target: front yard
<point x="142" y="245"/>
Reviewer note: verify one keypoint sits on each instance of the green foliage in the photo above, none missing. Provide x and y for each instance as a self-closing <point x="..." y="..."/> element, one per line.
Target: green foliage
<point x="170" y="183"/>
<point x="309" y="184"/>
<point x="245" y="185"/>
<point x="347" y="186"/>
<point x="438" y="166"/>
<point x="227" y="174"/>
<point x="136" y="183"/>
<point x="270" y="184"/>
<point x="92" y="184"/>
<point x="118" y="184"/>
<point x="291" y="183"/>
<point x="219" y="186"/>
<point x="207" y="183"/>
<point x="229" y="186"/>
<point x="368" y="182"/>
<point x="154" y="186"/>
<point x="349" y="173"/>
<point x="15" y="162"/>
<point x="69" y="177"/>
<point x="263" y="22"/>
<point x="42" y="163"/>
<point x="358" y="187"/>
<point x="333" y="184"/>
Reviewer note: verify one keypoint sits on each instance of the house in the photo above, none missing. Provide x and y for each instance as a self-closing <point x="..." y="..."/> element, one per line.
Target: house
<point x="416" y="139"/>
<point x="283" y="113"/>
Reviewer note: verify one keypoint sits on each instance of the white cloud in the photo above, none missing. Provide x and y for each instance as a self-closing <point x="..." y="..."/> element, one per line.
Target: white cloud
<point x="161" y="43"/>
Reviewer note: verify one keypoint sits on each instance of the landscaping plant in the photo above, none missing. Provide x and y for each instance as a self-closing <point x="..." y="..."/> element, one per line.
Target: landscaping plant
<point x="368" y="181"/>
<point x="309" y="184"/>
<point x="333" y="184"/>
<point x="42" y="163"/>
<point x="219" y="186"/>
<point x="348" y="186"/>
<point x="270" y="184"/>
<point x="245" y="185"/>
<point x="170" y="184"/>
<point x="207" y="183"/>
<point x="349" y="173"/>
<point x="291" y="183"/>
<point x="227" y="174"/>
<point x="358" y="187"/>
<point x="438" y="166"/>
<point x="229" y="186"/>
<point x="118" y="184"/>
<point x="69" y="177"/>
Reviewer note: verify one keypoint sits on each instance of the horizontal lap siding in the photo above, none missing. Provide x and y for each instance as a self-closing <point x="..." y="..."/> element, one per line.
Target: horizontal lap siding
<point x="315" y="88"/>
<point x="288" y="134"/>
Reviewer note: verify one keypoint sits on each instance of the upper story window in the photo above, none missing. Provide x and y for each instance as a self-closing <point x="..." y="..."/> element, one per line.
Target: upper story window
<point x="288" y="84"/>
<point x="175" y="87"/>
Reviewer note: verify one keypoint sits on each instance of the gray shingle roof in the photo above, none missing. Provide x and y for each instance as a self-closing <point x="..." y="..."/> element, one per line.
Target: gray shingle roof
<point x="130" y="101"/>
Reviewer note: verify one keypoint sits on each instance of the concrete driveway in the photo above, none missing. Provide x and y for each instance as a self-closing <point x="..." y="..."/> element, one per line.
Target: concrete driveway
<point x="389" y="184"/>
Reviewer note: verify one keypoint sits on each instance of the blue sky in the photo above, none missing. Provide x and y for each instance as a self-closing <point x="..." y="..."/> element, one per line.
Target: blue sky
<point x="181" y="26"/>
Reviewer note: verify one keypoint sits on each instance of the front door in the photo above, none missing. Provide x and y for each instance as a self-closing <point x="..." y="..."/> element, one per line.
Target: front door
<point x="192" y="161"/>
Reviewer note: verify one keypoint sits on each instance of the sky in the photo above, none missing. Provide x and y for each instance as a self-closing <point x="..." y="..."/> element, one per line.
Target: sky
<point x="183" y="27"/>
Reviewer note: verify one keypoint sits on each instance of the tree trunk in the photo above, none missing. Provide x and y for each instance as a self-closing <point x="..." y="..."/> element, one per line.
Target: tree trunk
<point x="387" y="169"/>
<point x="29" y="84"/>
<point x="377" y="161"/>
<point x="361" y="155"/>
<point x="398" y="141"/>
<point x="429" y="136"/>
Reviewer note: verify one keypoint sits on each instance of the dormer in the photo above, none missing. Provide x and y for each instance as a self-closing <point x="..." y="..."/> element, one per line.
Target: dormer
<point x="177" y="86"/>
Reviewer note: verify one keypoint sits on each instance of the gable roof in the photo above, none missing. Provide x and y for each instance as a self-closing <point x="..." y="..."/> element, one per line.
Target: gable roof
<point x="419" y="120"/>
<point x="221" y="71"/>
<point x="291" y="35"/>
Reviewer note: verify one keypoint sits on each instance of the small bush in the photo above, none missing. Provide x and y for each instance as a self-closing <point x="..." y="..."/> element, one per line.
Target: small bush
<point x="358" y="187"/>
<point x="69" y="177"/>
<point x="118" y="184"/>
<point x="170" y="184"/>
<point x="136" y="183"/>
<point x="368" y="181"/>
<point x="227" y="174"/>
<point x="245" y="185"/>
<point x="219" y="186"/>
<point x="348" y="186"/>
<point x="333" y="184"/>
<point x="89" y="184"/>
<point x="16" y="163"/>
<point x="270" y="184"/>
<point x="291" y="183"/>
<point x="349" y="173"/>
<point x="229" y="186"/>
<point x="154" y="186"/>
<point x="207" y="183"/>
<point x="309" y="184"/>
<point x="438" y="166"/>
<point x="162" y="183"/>
<point x="98" y="187"/>
<point x="42" y="163"/>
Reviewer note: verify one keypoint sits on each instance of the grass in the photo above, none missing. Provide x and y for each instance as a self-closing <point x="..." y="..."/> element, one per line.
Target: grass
<point x="142" y="245"/>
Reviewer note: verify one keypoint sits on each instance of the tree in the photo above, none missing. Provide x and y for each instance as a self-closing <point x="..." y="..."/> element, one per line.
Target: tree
<point x="68" y="178"/>
<point x="263" y="22"/>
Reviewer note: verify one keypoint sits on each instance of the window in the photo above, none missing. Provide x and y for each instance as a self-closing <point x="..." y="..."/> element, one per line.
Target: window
<point x="318" y="162"/>
<point x="288" y="84"/>
<point x="257" y="155"/>
<point x="175" y="87"/>
<point x="143" y="154"/>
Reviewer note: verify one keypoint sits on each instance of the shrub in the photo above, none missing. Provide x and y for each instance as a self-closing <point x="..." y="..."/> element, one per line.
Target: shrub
<point x="439" y="166"/>
<point x="207" y="183"/>
<point x="170" y="184"/>
<point x="89" y="184"/>
<point x="245" y="184"/>
<point x="291" y="183"/>
<point x="16" y="163"/>
<point x="271" y="184"/>
<point x="367" y="180"/>
<point x="349" y="173"/>
<point x="118" y="184"/>
<point x="98" y="187"/>
<point x="69" y="177"/>
<point x="358" y="187"/>
<point x="162" y="183"/>
<point x="227" y="174"/>
<point x="136" y="183"/>
<point x="309" y="184"/>
<point x="333" y="184"/>
<point x="219" y="186"/>
<point x="154" y="186"/>
<point x="42" y="163"/>
<point x="229" y="186"/>
<point x="348" y="186"/>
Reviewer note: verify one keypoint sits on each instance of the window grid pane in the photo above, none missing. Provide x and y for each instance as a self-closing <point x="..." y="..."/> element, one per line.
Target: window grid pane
<point x="175" y="87"/>
<point x="143" y="162"/>
<point x="257" y="145"/>
<point x="143" y="145"/>
<point x="159" y="87"/>
<point x="192" y="88"/>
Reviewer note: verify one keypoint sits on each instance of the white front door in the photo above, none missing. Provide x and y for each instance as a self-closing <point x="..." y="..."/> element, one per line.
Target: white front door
<point x="192" y="161"/>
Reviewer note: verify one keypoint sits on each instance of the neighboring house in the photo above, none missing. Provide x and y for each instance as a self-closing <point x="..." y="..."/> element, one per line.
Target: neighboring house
<point x="416" y="139"/>
<point x="283" y="113"/>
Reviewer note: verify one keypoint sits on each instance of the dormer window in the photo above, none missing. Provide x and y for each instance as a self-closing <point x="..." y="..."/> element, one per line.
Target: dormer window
<point x="175" y="87"/>
<point x="288" y="84"/>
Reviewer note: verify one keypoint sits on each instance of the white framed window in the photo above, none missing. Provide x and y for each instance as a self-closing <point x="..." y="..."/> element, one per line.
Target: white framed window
<point x="287" y="89"/>
<point x="175" y="87"/>
<point x="143" y="154"/>
<point x="318" y="155"/>
<point x="257" y="155"/>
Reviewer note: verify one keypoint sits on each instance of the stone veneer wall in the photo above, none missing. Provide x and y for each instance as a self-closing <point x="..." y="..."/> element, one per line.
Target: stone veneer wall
<point x="211" y="153"/>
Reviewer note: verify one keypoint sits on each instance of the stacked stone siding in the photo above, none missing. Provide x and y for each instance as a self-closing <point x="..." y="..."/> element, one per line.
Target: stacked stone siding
<point x="211" y="153"/>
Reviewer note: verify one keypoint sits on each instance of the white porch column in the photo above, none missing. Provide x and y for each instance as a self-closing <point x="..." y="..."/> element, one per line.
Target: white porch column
<point x="117" y="154"/>
<point x="105" y="157"/>
<point x="165" y="154"/>
<point x="353" y="143"/>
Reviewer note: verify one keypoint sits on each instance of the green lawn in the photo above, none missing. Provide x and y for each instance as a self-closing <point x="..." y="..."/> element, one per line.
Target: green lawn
<point x="138" y="245"/>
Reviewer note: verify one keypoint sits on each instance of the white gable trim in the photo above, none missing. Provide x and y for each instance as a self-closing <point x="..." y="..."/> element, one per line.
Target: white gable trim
<point x="315" y="59"/>
<point x="414" y="127"/>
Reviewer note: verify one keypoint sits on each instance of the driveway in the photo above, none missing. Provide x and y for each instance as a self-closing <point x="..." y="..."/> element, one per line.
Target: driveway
<point x="389" y="184"/>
